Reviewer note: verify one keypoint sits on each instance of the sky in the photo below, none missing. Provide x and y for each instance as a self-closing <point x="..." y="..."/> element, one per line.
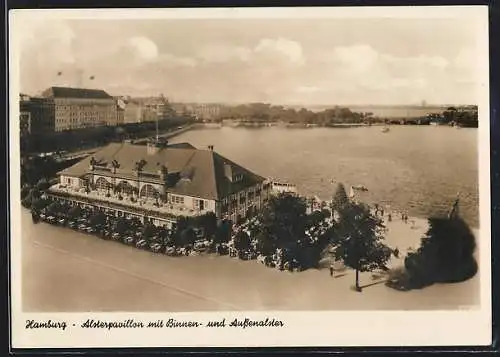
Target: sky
<point x="280" y="61"/>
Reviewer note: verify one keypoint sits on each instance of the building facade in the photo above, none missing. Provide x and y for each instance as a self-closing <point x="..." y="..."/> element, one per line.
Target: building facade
<point x="36" y="115"/>
<point x="132" y="112"/>
<point x="78" y="108"/>
<point x="153" y="108"/>
<point x="160" y="183"/>
<point x="204" y="111"/>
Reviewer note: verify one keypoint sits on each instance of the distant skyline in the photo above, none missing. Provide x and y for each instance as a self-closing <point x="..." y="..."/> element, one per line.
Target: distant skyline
<point x="305" y="62"/>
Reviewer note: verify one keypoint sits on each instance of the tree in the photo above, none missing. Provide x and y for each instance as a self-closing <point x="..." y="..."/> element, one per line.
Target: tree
<point x="75" y="212"/>
<point x="54" y="208"/>
<point x="42" y="185"/>
<point x="445" y="254"/>
<point x="97" y="219"/>
<point x="265" y="244"/>
<point x="340" y="198"/>
<point x="188" y="236"/>
<point x="121" y="225"/>
<point x="148" y="231"/>
<point x="223" y="232"/>
<point x="208" y="222"/>
<point x="242" y="241"/>
<point x="360" y="243"/>
<point x="284" y="218"/>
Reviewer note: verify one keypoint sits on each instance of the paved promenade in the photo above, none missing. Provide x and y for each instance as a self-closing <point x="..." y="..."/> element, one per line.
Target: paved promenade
<point x="69" y="271"/>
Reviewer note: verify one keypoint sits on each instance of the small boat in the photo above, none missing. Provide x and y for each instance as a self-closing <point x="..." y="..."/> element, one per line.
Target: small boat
<point x="359" y="188"/>
<point x="385" y="129"/>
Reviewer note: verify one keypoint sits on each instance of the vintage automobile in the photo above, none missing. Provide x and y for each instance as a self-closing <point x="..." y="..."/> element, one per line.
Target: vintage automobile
<point x="155" y="247"/>
<point x="141" y="244"/>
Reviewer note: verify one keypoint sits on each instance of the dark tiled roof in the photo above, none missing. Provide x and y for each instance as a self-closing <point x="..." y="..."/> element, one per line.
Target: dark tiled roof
<point x="181" y="146"/>
<point x="202" y="171"/>
<point x="67" y="92"/>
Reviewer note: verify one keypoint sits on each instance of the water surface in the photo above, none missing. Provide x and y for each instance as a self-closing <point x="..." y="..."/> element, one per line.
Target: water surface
<point x="416" y="168"/>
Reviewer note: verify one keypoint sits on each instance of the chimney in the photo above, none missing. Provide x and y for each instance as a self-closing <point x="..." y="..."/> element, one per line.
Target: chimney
<point x="162" y="171"/>
<point x="211" y="147"/>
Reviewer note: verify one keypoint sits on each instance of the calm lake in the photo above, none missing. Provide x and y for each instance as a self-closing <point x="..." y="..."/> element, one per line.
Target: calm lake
<point x="416" y="168"/>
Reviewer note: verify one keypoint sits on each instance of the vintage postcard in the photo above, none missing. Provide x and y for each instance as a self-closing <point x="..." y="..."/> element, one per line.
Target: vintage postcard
<point x="249" y="177"/>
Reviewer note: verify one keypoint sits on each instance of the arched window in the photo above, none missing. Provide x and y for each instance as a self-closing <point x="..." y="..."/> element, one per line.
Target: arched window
<point x="101" y="184"/>
<point x="125" y="187"/>
<point x="148" y="191"/>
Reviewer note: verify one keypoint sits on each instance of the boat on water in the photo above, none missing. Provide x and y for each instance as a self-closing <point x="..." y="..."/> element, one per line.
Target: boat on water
<point x="359" y="188"/>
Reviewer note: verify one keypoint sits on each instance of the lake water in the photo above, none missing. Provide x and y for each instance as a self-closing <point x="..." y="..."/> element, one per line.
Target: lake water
<point x="416" y="168"/>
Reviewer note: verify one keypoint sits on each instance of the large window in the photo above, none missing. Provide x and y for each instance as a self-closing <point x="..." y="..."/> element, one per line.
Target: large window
<point x="101" y="183"/>
<point x="177" y="199"/>
<point x="200" y="205"/>
<point x="125" y="187"/>
<point x="148" y="191"/>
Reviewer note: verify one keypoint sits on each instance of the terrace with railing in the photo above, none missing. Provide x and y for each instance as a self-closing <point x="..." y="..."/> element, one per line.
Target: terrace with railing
<point x="139" y="205"/>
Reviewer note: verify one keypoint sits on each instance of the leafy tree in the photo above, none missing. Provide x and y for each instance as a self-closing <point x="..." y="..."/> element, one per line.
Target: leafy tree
<point x="121" y="225"/>
<point x="188" y="236"/>
<point x="265" y="244"/>
<point x="360" y="243"/>
<point x="445" y="255"/>
<point x="54" y="208"/>
<point x="284" y="218"/>
<point x="75" y="212"/>
<point x="242" y="241"/>
<point x="38" y="204"/>
<point x="148" y="231"/>
<point x="97" y="219"/>
<point x="208" y="222"/>
<point x="223" y="232"/>
<point x="25" y="191"/>
<point x="42" y="185"/>
<point x="340" y="198"/>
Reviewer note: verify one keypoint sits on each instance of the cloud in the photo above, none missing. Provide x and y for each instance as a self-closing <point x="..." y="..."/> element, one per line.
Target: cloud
<point x="266" y="51"/>
<point x="288" y="49"/>
<point x="143" y="48"/>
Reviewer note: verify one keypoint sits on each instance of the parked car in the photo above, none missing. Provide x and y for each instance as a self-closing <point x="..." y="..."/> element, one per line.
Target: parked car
<point x="82" y="227"/>
<point x="61" y="221"/>
<point x="115" y="236"/>
<point x="171" y="251"/>
<point x="129" y="240"/>
<point x="141" y="244"/>
<point x="155" y="247"/>
<point x="90" y="230"/>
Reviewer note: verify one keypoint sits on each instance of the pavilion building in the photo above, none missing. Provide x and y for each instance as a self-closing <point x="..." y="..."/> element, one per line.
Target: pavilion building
<point x="161" y="182"/>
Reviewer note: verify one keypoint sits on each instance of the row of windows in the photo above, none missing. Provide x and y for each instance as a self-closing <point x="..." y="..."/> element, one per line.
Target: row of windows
<point x="177" y="199"/>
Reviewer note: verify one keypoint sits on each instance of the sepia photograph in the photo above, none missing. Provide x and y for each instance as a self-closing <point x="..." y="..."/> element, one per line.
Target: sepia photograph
<point x="205" y="161"/>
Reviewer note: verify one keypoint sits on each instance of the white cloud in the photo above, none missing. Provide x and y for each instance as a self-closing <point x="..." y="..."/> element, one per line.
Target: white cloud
<point x="144" y="48"/>
<point x="266" y="51"/>
<point x="290" y="50"/>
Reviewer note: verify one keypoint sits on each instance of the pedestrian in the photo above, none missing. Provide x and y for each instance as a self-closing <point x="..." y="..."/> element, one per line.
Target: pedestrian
<point x="396" y="253"/>
<point x="382" y="212"/>
<point x="389" y="217"/>
<point x="331" y="269"/>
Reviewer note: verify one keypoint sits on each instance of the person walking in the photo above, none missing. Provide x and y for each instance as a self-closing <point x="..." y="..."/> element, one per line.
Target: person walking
<point x="331" y="269"/>
<point x="389" y="217"/>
